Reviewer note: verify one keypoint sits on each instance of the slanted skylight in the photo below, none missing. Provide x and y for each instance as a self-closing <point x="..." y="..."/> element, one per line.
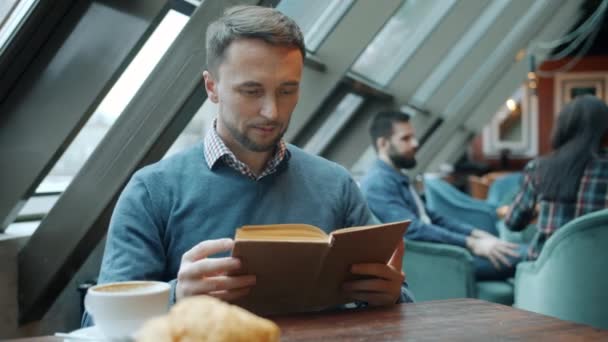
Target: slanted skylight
<point x="316" y="18"/>
<point x="399" y="38"/>
<point x="114" y="102"/>
<point x="12" y="15"/>
<point x="334" y="123"/>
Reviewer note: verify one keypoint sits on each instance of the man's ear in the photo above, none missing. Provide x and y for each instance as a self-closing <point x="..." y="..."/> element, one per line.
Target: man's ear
<point x="381" y="144"/>
<point x="211" y="86"/>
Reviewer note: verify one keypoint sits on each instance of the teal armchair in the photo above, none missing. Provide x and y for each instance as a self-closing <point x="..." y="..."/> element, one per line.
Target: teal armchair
<point x="445" y="199"/>
<point x="503" y="189"/>
<point x="569" y="280"/>
<point x="438" y="271"/>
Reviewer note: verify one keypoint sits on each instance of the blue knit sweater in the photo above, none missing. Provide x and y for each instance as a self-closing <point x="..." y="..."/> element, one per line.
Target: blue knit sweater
<point x="170" y="206"/>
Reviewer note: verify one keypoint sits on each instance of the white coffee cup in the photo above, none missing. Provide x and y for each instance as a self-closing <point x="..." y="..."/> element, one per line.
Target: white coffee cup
<point x="119" y="309"/>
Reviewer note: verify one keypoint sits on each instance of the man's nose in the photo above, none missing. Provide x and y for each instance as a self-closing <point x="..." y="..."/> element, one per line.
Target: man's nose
<point x="269" y="108"/>
<point x="415" y="143"/>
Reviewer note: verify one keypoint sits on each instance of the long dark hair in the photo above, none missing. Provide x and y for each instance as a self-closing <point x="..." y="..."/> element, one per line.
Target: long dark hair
<point x="577" y="136"/>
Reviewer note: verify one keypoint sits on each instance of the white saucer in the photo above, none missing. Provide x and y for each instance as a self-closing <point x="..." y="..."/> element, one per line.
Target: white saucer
<point x="93" y="334"/>
<point x="88" y="332"/>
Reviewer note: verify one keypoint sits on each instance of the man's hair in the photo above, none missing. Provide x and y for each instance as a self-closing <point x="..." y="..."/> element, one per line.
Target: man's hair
<point x="382" y="124"/>
<point x="242" y="22"/>
<point x="577" y="136"/>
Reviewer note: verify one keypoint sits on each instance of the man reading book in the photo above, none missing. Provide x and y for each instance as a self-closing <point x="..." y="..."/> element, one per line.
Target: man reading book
<point x="174" y="215"/>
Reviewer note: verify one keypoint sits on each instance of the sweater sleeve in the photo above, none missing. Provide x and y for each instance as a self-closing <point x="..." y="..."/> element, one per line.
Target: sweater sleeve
<point x="134" y="248"/>
<point x="357" y="211"/>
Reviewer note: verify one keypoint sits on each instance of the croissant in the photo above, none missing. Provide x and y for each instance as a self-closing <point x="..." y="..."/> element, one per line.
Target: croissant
<point x="204" y="318"/>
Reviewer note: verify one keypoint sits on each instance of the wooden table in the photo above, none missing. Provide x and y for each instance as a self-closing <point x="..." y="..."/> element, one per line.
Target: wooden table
<point x="449" y="320"/>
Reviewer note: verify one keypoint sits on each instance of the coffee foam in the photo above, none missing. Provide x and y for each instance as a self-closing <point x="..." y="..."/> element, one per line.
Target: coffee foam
<point x="129" y="288"/>
<point x="124" y="287"/>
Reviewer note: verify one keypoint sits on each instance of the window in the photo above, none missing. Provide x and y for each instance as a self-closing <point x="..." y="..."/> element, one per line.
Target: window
<point x="12" y="15"/>
<point x="459" y="51"/>
<point x="115" y="101"/>
<point x="195" y="130"/>
<point x="334" y="123"/>
<point x="99" y="123"/>
<point x="316" y="18"/>
<point x="514" y="128"/>
<point x="399" y="38"/>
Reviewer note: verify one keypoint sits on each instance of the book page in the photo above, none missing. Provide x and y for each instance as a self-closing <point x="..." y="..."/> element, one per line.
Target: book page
<point x="281" y="232"/>
<point x="353" y="229"/>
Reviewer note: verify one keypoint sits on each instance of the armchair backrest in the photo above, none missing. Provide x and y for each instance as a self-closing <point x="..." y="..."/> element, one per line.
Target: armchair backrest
<point x="569" y="280"/>
<point x="444" y="199"/>
<point x="503" y="189"/>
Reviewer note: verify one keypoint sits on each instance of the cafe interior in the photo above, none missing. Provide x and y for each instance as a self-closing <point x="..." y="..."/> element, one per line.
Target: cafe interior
<point x="93" y="90"/>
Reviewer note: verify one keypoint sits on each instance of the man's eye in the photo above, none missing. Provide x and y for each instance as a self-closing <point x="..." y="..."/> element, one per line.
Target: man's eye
<point x="288" y="91"/>
<point x="251" y="92"/>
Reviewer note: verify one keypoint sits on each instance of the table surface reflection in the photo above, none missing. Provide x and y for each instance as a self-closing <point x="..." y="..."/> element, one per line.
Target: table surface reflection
<point x="453" y="320"/>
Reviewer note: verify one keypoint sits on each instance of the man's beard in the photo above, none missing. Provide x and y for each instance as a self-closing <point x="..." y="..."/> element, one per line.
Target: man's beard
<point x="249" y="144"/>
<point x="400" y="161"/>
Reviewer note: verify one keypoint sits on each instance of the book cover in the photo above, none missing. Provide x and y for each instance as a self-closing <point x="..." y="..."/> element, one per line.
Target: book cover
<point x="300" y="268"/>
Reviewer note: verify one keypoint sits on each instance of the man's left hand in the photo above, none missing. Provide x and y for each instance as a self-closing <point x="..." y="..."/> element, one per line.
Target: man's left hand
<point x="385" y="287"/>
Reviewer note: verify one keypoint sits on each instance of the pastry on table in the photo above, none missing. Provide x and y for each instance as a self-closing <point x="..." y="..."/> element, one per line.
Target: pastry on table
<point x="204" y="318"/>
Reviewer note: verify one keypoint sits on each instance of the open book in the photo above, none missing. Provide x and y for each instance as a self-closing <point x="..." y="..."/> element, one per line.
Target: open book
<point x="300" y="268"/>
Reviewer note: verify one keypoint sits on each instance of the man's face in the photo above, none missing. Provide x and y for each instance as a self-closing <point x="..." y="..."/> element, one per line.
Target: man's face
<point x="402" y="146"/>
<point x="256" y="89"/>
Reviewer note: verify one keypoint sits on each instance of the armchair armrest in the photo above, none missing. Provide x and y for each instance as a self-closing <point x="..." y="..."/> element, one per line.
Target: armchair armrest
<point x="526" y="293"/>
<point x="438" y="271"/>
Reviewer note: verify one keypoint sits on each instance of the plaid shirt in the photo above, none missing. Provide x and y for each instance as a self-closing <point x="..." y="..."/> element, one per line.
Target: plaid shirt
<point x="592" y="196"/>
<point x="216" y="150"/>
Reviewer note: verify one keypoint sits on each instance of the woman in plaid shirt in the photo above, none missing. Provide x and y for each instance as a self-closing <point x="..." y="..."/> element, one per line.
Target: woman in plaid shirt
<point x="572" y="180"/>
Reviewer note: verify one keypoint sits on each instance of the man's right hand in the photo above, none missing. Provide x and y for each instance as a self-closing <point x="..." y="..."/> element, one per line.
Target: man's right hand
<point x="199" y="274"/>
<point x="494" y="249"/>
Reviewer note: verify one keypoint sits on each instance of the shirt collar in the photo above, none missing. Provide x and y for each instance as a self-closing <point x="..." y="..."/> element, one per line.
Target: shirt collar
<point x="390" y="170"/>
<point x="215" y="150"/>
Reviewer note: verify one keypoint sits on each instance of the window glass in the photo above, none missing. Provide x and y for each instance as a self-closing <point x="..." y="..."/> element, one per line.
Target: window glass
<point x="513" y="129"/>
<point x="194" y="132"/>
<point x="114" y="103"/>
<point x="22" y="228"/>
<point x="334" y="123"/>
<point x="398" y="39"/>
<point x="37" y="207"/>
<point x="12" y="15"/>
<point x="510" y="122"/>
<point x="316" y="18"/>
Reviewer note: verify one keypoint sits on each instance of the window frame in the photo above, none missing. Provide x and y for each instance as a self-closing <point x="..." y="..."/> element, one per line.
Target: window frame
<point x="527" y="146"/>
